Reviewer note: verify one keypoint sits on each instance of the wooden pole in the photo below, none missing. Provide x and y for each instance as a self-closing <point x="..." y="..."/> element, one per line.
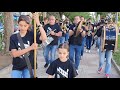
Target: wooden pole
<point x="35" y="52"/>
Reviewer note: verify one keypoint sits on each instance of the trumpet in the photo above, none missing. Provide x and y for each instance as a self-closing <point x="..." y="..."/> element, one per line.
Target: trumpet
<point x="79" y="28"/>
<point x="64" y="27"/>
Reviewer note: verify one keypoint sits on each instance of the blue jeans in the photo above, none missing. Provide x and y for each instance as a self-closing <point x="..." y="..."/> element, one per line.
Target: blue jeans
<point x="98" y="42"/>
<point x="83" y="44"/>
<point x="20" y="73"/>
<point x="75" y="50"/>
<point x="66" y="37"/>
<point x="61" y="40"/>
<point x="88" y="43"/>
<point x="108" y="55"/>
<point x="52" y="50"/>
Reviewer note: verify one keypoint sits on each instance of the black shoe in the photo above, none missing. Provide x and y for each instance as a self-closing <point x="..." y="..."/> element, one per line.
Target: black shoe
<point x="46" y="65"/>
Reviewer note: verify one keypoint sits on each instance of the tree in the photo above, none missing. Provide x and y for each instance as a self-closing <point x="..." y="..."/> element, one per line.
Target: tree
<point x="71" y="15"/>
<point x="56" y="14"/>
<point x="8" y="29"/>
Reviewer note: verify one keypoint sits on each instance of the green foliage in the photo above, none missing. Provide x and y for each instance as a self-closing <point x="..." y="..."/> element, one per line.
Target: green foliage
<point x="116" y="55"/>
<point x="71" y="15"/>
<point x="119" y="41"/>
<point x="103" y="14"/>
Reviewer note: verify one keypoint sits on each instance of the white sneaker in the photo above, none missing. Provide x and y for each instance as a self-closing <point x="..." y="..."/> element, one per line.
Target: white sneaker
<point x="77" y="71"/>
<point x="97" y="50"/>
<point x="89" y="51"/>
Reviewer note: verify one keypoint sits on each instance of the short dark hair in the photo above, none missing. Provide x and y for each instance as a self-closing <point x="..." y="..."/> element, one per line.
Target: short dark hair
<point x="45" y="18"/>
<point x="64" y="46"/>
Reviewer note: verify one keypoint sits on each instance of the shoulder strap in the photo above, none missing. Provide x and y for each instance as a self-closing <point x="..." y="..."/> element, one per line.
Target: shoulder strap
<point x="25" y="55"/>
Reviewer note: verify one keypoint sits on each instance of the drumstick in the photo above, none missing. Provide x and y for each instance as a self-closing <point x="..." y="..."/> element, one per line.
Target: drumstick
<point x="116" y="44"/>
<point x="35" y="55"/>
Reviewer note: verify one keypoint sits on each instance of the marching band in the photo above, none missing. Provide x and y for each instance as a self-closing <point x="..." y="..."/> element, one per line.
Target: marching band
<point x="78" y="35"/>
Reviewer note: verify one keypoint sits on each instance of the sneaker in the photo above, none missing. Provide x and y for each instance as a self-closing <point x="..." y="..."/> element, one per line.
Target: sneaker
<point x="46" y="65"/>
<point x="77" y="71"/>
<point x="107" y="76"/>
<point x="97" y="50"/>
<point x="89" y="51"/>
<point x="86" y="50"/>
<point x="99" y="70"/>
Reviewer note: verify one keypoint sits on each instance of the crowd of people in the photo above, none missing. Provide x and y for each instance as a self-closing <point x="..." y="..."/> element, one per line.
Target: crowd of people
<point x="69" y="40"/>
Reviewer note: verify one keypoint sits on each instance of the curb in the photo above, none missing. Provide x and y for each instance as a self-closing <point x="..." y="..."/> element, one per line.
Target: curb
<point x="116" y="66"/>
<point x="6" y="67"/>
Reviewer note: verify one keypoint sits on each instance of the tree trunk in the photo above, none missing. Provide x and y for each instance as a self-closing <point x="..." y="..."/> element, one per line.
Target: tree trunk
<point x="44" y="14"/>
<point x="61" y="13"/>
<point x="8" y="29"/>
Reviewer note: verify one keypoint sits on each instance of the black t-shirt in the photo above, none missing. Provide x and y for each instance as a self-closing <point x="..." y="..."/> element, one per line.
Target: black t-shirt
<point x="99" y="31"/>
<point x="53" y="27"/>
<point x="89" y="33"/>
<point x="75" y="40"/>
<point x="62" y="69"/>
<point x="68" y="26"/>
<point x="19" y="63"/>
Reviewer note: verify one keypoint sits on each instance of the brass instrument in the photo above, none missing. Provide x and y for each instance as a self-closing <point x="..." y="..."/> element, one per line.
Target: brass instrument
<point x="79" y="28"/>
<point x="88" y="28"/>
<point x="64" y="27"/>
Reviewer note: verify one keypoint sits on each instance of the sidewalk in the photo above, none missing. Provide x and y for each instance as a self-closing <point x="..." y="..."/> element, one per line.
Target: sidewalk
<point x="88" y="67"/>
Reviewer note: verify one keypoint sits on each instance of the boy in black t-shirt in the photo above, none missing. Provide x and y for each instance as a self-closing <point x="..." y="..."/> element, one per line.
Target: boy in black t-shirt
<point x="62" y="67"/>
<point x="20" y="69"/>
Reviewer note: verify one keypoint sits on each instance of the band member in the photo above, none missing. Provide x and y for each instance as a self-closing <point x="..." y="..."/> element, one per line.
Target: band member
<point x="84" y="38"/>
<point x="68" y="24"/>
<point x="63" y="28"/>
<point x="97" y="34"/>
<point x="19" y="69"/>
<point x="89" y="35"/>
<point x="75" y="41"/>
<point x="105" y="53"/>
<point x="55" y="32"/>
<point x="57" y="21"/>
<point x="45" y="22"/>
<point x="62" y="67"/>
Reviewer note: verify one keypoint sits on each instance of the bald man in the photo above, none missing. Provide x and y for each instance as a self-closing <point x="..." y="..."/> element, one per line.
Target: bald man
<point x="52" y="47"/>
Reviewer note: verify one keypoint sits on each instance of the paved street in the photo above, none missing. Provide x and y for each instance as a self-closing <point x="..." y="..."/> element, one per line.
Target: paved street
<point x="88" y="67"/>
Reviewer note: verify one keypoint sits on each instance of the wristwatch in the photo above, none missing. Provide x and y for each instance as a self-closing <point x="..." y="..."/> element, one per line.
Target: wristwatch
<point x="39" y="26"/>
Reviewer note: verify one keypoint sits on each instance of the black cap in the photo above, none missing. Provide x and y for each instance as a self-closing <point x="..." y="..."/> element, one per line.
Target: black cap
<point x="25" y="18"/>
